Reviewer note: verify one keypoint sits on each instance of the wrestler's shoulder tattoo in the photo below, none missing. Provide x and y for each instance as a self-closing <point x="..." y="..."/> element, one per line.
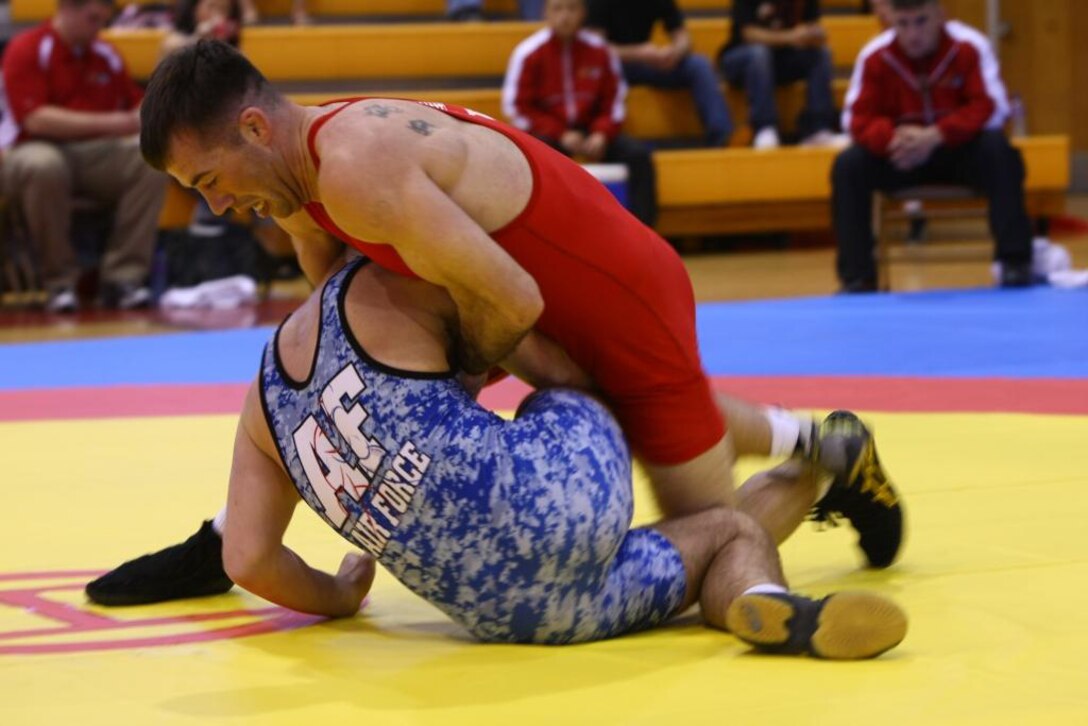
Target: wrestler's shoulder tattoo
<point x="381" y="110"/>
<point x="421" y="127"/>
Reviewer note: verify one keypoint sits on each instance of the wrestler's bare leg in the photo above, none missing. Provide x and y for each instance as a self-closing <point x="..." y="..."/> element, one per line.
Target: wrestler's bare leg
<point x="778" y="499"/>
<point x="733" y="571"/>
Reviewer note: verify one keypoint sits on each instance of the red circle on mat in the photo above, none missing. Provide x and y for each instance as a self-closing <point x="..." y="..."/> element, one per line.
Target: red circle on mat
<point x="64" y="628"/>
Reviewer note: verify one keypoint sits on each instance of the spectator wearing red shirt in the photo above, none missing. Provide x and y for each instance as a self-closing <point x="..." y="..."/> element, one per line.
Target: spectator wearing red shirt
<point x="71" y="120"/>
<point x="922" y="115"/>
<point x="565" y="86"/>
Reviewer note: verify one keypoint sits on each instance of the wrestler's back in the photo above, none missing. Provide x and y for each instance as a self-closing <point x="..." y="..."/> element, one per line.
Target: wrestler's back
<point x="412" y="333"/>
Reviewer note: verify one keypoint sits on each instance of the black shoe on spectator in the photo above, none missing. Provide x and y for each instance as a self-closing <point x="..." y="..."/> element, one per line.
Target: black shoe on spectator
<point x="193" y="568"/>
<point x="1016" y="274"/>
<point x="124" y="296"/>
<point x="864" y="284"/>
<point x="62" y="300"/>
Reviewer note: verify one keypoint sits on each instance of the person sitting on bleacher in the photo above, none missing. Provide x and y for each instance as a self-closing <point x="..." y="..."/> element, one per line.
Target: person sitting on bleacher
<point x="473" y="10"/>
<point x="774" y="43"/>
<point x="73" y="119"/>
<point x="251" y="15"/>
<point x="927" y="111"/>
<point x="991" y="73"/>
<point x="628" y="24"/>
<point x="564" y="85"/>
<point x="197" y="19"/>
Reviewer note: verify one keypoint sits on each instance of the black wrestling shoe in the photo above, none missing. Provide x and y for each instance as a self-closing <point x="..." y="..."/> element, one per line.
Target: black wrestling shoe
<point x="193" y="568"/>
<point x="861" y="491"/>
<point x="843" y="626"/>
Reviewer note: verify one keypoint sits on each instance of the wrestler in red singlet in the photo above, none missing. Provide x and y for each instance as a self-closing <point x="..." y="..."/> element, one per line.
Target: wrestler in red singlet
<point x="616" y="296"/>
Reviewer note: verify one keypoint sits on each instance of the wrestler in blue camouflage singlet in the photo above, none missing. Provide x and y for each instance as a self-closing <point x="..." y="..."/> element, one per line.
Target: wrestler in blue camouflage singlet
<point x="518" y="530"/>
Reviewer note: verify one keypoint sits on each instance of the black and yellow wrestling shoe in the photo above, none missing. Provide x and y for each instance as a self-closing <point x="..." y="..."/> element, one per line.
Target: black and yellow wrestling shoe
<point x="861" y="490"/>
<point x="843" y="626"/>
<point x="193" y="568"/>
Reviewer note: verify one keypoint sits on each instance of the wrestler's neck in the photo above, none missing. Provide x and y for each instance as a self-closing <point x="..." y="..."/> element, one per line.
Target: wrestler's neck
<point x="302" y="172"/>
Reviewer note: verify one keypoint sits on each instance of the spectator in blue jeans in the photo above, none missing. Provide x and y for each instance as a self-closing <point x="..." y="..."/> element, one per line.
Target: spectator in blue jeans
<point x="627" y="24"/>
<point x="773" y="43"/>
<point x="467" y="10"/>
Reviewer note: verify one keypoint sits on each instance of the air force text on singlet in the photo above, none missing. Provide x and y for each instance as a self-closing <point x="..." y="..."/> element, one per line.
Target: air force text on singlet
<point x="341" y="475"/>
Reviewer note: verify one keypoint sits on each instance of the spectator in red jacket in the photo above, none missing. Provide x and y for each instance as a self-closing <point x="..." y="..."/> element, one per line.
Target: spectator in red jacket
<point x="73" y="115"/>
<point x="921" y="116"/>
<point x="564" y="85"/>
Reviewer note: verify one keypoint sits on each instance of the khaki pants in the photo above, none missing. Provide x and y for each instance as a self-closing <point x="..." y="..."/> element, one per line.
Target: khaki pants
<point x="43" y="177"/>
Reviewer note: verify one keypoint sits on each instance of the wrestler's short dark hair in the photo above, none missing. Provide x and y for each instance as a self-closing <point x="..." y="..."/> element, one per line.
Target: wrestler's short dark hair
<point x="199" y="88"/>
<point x="911" y="4"/>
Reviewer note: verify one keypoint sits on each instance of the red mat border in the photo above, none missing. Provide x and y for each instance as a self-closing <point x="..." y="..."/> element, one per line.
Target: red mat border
<point x="864" y="393"/>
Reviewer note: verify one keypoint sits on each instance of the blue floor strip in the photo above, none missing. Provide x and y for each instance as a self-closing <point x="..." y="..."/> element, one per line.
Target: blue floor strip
<point x="1039" y="333"/>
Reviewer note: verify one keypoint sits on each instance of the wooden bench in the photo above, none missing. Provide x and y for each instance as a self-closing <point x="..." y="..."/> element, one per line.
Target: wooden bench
<point x="425" y="50"/>
<point x="718" y="191"/>
<point x="25" y="11"/>
<point x="941" y="202"/>
<point x="723" y="191"/>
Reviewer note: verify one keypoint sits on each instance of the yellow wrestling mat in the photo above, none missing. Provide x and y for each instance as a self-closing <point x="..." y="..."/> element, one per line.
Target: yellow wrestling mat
<point x="994" y="579"/>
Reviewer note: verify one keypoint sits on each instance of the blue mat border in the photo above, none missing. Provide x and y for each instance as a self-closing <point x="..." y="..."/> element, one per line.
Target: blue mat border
<point x="1038" y="333"/>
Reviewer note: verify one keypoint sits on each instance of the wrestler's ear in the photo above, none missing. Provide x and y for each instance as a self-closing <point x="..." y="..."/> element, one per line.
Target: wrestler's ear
<point x="255" y="126"/>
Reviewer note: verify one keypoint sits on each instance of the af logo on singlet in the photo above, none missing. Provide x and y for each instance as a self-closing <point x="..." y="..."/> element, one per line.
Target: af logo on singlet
<point x="341" y="473"/>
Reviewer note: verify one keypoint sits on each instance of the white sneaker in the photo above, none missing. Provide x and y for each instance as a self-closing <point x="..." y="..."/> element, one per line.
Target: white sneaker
<point x="827" y="140"/>
<point x="134" y="298"/>
<point x="766" y="138"/>
<point x="1047" y="258"/>
<point x="221" y="294"/>
<point x="63" y="300"/>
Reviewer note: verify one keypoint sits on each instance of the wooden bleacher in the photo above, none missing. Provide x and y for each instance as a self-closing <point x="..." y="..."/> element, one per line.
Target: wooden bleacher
<point x="701" y="191"/>
<point x="708" y="191"/>
<point x="719" y="191"/>
<point x="26" y="11"/>
<point x="421" y="50"/>
<point x="653" y="113"/>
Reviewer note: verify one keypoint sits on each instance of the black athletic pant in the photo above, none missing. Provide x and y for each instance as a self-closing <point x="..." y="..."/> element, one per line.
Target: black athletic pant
<point x="988" y="163"/>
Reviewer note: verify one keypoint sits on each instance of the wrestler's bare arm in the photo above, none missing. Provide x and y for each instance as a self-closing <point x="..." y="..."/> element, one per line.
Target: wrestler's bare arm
<point x="540" y="362"/>
<point x="260" y="503"/>
<point x="317" y="251"/>
<point x="379" y="188"/>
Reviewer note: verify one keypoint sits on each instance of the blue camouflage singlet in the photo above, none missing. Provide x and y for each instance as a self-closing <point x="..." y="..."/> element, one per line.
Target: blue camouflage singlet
<point x="518" y="530"/>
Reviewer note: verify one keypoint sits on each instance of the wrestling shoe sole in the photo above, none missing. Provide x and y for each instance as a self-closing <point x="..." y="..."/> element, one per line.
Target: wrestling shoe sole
<point x="849" y="625"/>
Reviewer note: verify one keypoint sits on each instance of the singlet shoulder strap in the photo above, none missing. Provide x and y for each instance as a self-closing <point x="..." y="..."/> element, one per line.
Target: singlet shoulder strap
<point x="311" y="137"/>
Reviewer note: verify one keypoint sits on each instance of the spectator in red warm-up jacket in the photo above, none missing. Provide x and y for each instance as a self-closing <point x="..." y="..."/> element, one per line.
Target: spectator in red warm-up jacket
<point x="70" y="129"/>
<point x="921" y="117"/>
<point x="564" y="85"/>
